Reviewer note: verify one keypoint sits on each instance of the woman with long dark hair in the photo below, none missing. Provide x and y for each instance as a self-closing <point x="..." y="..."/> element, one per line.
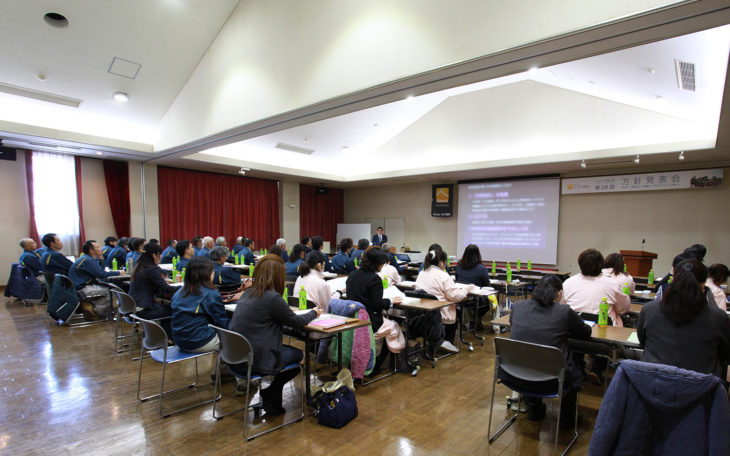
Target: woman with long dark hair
<point x="147" y="282"/>
<point x="259" y="316"/>
<point x="471" y="270"/>
<point x="295" y="259"/>
<point x="195" y="306"/>
<point x="311" y="278"/>
<point x="542" y="320"/>
<point x="613" y="268"/>
<point x="683" y="329"/>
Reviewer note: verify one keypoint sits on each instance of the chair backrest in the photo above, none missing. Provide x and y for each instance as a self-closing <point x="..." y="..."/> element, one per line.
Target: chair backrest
<point x="294" y="302"/>
<point x="419" y="294"/>
<point x="125" y="303"/>
<point x="528" y="361"/>
<point x="154" y="336"/>
<point x="65" y="282"/>
<point x="235" y="348"/>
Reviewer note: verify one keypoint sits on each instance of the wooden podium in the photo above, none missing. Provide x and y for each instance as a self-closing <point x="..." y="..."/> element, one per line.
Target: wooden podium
<point x="638" y="262"/>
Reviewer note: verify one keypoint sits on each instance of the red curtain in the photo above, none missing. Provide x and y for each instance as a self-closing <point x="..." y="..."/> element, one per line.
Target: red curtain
<point x="79" y="193"/>
<point x="193" y="203"/>
<point x="32" y="230"/>
<point x="319" y="214"/>
<point x="116" y="174"/>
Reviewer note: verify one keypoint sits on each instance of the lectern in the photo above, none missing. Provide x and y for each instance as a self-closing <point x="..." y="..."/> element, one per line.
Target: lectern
<point x="638" y="262"/>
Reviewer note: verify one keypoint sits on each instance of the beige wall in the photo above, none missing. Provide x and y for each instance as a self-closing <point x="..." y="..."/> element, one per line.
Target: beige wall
<point x="14" y="215"/>
<point x="98" y="222"/>
<point x="669" y="220"/>
<point x="289" y="216"/>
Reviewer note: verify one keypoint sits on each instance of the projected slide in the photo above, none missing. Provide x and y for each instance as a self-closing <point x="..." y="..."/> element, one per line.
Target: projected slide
<point x="510" y="220"/>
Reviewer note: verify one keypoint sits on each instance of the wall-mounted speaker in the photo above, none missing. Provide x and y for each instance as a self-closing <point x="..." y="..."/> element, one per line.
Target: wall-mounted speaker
<point x="7" y="153"/>
<point x="323" y="190"/>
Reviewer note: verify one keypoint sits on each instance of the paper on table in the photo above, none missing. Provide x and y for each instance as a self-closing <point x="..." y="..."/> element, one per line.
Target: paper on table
<point x="165" y="266"/>
<point x="337" y="284"/>
<point x="302" y="312"/>
<point x="409" y="300"/>
<point x="231" y="307"/>
<point x="393" y="292"/>
<point x="329" y="275"/>
<point x="633" y="338"/>
<point x="407" y="283"/>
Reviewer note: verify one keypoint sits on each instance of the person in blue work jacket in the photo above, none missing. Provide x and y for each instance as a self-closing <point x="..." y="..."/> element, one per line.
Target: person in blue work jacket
<point x="135" y="249"/>
<point x="197" y="244"/>
<point x="195" y="306"/>
<point x="362" y="245"/>
<point x="223" y="275"/>
<point x="86" y="273"/>
<point x="109" y="243"/>
<point x="239" y="245"/>
<point x="31" y="260"/>
<point x="185" y="250"/>
<point x="246" y="256"/>
<point x="392" y="257"/>
<point x="53" y="261"/>
<point x="341" y="262"/>
<point x="119" y="252"/>
<point x="208" y="245"/>
<point x="169" y="253"/>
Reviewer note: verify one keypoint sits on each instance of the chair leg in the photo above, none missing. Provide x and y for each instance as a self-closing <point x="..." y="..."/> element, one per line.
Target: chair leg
<point x="139" y="378"/>
<point x="299" y="418"/>
<point x="509" y="421"/>
<point x="162" y="384"/>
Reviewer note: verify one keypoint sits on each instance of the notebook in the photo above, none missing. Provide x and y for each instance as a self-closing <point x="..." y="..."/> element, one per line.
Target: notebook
<point x="326" y="321"/>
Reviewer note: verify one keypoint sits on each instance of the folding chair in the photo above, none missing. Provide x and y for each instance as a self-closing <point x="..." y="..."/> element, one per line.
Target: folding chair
<point x="126" y="306"/>
<point x="236" y="349"/>
<point x="155" y="341"/>
<point x="530" y="363"/>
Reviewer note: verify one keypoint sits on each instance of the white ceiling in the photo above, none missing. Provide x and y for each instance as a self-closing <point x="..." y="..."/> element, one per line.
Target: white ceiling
<point x="624" y="102"/>
<point x="611" y="105"/>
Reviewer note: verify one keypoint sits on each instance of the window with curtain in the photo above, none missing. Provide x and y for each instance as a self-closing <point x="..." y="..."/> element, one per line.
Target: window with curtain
<point x="54" y="198"/>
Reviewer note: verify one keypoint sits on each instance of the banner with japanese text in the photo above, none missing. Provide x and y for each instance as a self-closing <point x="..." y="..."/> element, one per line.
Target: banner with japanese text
<point x="669" y="180"/>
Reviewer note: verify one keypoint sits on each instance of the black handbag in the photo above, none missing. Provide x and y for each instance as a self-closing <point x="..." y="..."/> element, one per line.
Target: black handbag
<point x="335" y="409"/>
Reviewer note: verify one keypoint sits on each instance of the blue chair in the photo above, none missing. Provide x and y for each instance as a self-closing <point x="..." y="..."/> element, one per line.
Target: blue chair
<point x="236" y="349"/>
<point x="155" y="341"/>
<point x="126" y="307"/>
<point x="530" y="363"/>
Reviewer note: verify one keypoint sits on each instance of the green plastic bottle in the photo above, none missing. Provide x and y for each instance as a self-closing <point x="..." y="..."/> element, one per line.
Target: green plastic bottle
<point x="626" y="268"/>
<point x="651" y="277"/>
<point x="250" y="270"/>
<point x="529" y="265"/>
<point x="385" y="283"/>
<point x="302" y="299"/>
<point x="519" y="264"/>
<point x="355" y="261"/>
<point x="174" y="275"/>
<point x="448" y="262"/>
<point x="284" y="296"/>
<point x="266" y="251"/>
<point x="115" y="266"/>
<point x="183" y="274"/>
<point x="129" y="266"/>
<point x="603" y="313"/>
<point x="494" y="267"/>
<point x="626" y="289"/>
<point x="509" y="274"/>
<point x="235" y="260"/>
<point x="670" y="279"/>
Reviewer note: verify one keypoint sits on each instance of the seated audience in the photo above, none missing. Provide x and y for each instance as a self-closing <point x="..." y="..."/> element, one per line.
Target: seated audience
<point x="392" y="257"/>
<point x="109" y="243"/>
<point x="541" y="320"/>
<point x="307" y="244"/>
<point x="317" y="246"/>
<point x="275" y="250"/>
<point x="147" y="283"/>
<point x="697" y="251"/>
<point x="30" y="259"/>
<point x="220" y="241"/>
<point x="185" y="252"/>
<point x="662" y="285"/>
<point x="683" y="329"/>
<point x="119" y="252"/>
<point x="197" y="244"/>
<point x="208" y="244"/>
<point x="281" y="242"/>
<point x="42" y="250"/>
<point x="239" y="245"/>
<point x="341" y="262"/>
<point x="135" y="249"/>
<point x="613" y="268"/>
<point x="295" y="259"/>
<point x="583" y="292"/>
<point x="470" y="270"/>
<point x="86" y="273"/>
<point x="195" y="306"/>
<point x="224" y="276"/>
<point x="366" y="287"/>
<point x="717" y="275"/>
<point x="259" y="316"/>
<point x="362" y="245"/>
<point x="388" y="272"/>
<point x="436" y="281"/>
<point x="53" y="261"/>
<point x="312" y="280"/>
<point x="169" y="253"/>
<point x="246" y="255"/>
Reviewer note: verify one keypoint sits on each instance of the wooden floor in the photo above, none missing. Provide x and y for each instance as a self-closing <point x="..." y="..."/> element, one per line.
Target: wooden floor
<point x="65" y="391"/>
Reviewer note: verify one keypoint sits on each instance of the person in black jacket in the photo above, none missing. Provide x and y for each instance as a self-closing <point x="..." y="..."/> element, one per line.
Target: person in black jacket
<point x="147" y="282"/>
<point x="259" y="316"/>
<point x="470" y="270"/>
<point x="365" y="286"/>
<point x="541" y="320"/>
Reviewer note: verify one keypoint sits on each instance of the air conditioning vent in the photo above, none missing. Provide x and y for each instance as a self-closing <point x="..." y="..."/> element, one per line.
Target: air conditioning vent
<point x="685" y="75"/>
<point x="297" y="149"/>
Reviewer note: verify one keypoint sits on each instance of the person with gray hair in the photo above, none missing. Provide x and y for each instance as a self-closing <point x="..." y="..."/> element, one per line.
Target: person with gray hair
<point x="220" y="241"/>
<point x="223" y="275"/>
<point x="281" y="242"/>
<point x="30" y="259"/>
<point x="239" y="245"/>
<point x="208" y="244"/>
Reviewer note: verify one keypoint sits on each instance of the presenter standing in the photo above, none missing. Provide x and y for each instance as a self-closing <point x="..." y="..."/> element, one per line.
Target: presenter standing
<point x="379" y="238"/>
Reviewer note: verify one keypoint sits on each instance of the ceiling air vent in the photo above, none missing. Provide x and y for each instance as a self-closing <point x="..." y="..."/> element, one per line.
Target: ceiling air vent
<point x="685" y="75"/>
<point x="297" y="149"/>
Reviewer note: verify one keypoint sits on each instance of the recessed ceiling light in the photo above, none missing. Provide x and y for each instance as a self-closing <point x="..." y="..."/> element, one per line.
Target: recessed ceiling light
<point x="121" y="97"/>
<point x="55" y="20"/>
<point x="409" y="97"/>
<point x="533" y="70"/>
<point x="41" y="77"/>
<point x="652" y="70"/>
<point x="98" y="152"/>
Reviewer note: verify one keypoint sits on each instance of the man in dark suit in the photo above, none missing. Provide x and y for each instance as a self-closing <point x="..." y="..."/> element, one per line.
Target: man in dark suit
<point x="379" y="238"/>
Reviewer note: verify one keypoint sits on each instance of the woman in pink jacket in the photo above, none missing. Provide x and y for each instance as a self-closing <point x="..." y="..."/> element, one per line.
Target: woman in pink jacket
<point x="436" y="281"/>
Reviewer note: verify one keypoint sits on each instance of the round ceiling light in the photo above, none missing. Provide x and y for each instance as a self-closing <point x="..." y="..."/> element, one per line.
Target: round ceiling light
<point x="55" y="20"/>
<point x="121" y="97"/>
